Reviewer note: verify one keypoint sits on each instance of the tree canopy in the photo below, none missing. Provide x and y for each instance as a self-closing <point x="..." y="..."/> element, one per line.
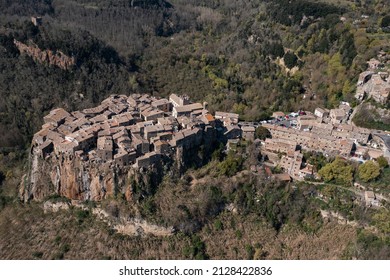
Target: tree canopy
<point x="262" y="133"/>
<point x="385" y="22"/>
<point x="382" y="161"/>
<point x="290" y="60"/>
<point x="369" y="171"/>
<point x="339" y="171"/>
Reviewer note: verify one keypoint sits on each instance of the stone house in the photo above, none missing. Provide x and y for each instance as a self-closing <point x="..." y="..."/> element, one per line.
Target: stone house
<point x="279" y="145"/>
<point x="186" y="110"/>
<point x="46" y="148"/>
<point x="227" y="118"/>
<point x="248" y="133"/>
<point x="161" y="147"/>
<point x="56" y="116"/>
<point x="278" y="114"/>
<point x="232" y="132"/>
<point x="369" y="197"/>
<point x="179" y="101"/>
<point x="105" y="148"/>
<point x="152" y="115"/>
<point x="321" y="113"/>
<point x="337" y="115"/>
<point x="162" y="104"/>
<point x="147" y="160"/>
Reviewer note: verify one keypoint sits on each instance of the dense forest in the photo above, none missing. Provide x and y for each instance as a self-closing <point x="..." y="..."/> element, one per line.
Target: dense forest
<point x="251" y="57"/>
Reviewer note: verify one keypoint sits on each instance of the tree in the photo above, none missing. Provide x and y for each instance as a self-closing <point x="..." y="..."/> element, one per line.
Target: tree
<point x="385" y="22"/>
<point x="262" y="133"/>
<point x="369" y="171"/>
<point x="276" y="50"/>
<point x="339" y="170"/>
<point x="381" y="219"/>
<point x="382" y="161"/>
<point x="290" y="60"/>
<point x="326" y="173"/>
<point x="2" y="177"/>
<point x="231" y="165"/>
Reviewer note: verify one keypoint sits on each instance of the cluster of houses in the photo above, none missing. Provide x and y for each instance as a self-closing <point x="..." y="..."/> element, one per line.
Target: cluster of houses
<point x="134" y="130"/>
<point x="375" y="82"/>
<point x="321" y="132"/>
<point x="138" y="130"/>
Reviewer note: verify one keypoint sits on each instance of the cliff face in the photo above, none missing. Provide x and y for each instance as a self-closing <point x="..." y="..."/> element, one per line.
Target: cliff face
<point x="73" y="178"/>
<point x="56" y="58"/>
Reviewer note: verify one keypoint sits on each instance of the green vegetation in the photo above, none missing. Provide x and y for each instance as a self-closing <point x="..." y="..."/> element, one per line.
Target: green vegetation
<point x="385" y="22"/>
<point x="381" y="220"/>
<point x="382" y="161"/>
<point x="338" y="171"/>
<point x="382" y="182"/>
<point x="262" y="133"/>
<point x="370" y="246"/>
<point x="368" y="117"/>
<point x="369" y="171"/>
<point x="203" y="49"/>
<point x="231" y="165"/>
<point x="196" y="249"/>
<point x="318" y="160"/>
<point x="290" y="60"/>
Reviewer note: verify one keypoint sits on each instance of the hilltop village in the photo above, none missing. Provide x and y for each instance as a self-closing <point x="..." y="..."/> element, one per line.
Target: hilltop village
<point x="375" y="82"/>
<point x="330" y="132"/>
<point x="138" y="130"/>
<point x="135" y="130"/>
<point x="326" y="132"/>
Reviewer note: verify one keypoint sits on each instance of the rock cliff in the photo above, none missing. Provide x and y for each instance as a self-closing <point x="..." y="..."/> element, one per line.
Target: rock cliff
<point x="56" y="58"/>
<point x="75" y="179"/>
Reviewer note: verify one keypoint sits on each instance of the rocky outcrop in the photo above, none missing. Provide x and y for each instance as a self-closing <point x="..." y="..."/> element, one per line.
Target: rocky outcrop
<point x="74" y="178"/>
<point x="335" y="216"/>
<point x="49" y="206"/>
<point x="126" y="226"/>
<point x="140" y="227"/>
<point x="56" y="58"/>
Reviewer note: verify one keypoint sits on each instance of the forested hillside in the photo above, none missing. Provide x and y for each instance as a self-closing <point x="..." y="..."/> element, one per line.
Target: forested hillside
<point x="225" y="52"/>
